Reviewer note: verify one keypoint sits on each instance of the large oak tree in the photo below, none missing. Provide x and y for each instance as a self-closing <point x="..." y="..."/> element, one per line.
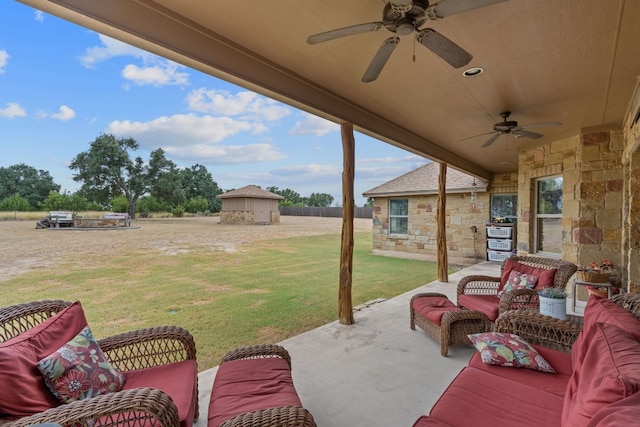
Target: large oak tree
<point x="108" y="170"/>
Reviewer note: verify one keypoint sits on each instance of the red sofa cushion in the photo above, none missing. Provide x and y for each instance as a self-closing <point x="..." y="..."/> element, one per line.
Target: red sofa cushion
<point x="552" y="383"/>
<point x="624" y="412"/>
<point x="489" y="305"/>
<point x="432" y="308"/>
<point x="249" y="385"/>
<point x="545" y="276"/>
<point x="177" y="379"/>
<point x="23" y="391"/>
<point x="481" y="398"/>
<point x="610" y="371"/>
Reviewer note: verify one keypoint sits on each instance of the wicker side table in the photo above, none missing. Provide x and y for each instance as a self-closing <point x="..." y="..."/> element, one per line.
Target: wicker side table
<point x="448" y="324"/>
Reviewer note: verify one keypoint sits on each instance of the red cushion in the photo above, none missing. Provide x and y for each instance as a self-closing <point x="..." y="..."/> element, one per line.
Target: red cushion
<point x="545" y="276"/>
<point x="489" y="305"/>
<point x="610" y="372"/>
<point x="600" y="310"/>
<point x="23" y="391"/>
<point x="177" y="379"/>
<point x="552" y="383"/>
<point x="249" y="385"/>
<point x="480" y="398"/>
<point x="425" y="421"/>
<point x="624" y="412"/>
<point x="432" y="308"/>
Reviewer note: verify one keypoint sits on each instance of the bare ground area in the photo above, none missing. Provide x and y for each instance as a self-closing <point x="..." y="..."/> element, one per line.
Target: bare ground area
<point x="24" y="248"/>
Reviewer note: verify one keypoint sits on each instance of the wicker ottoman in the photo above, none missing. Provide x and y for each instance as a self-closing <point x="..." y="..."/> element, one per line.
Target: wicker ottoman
<point x="444" y="321"/>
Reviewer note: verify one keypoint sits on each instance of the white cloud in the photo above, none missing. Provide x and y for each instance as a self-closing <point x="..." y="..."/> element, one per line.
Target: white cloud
<point x="39" y="16"/>
<point x="196" y="138"/>
<point x="156" y="75"/>
<point x="310" y="171"/>
<point x="248" y="105"/>
<point x="110" y="48"/>
<point x="64" y="113"/>
<point x="313" y="125"/>
<point x="13" y="110"/>
<point x="4" y="59"/>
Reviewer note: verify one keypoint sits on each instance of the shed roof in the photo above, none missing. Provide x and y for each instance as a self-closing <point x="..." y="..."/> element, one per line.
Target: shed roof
<point x="424" y="180"/>
<point x="250" y="191"/>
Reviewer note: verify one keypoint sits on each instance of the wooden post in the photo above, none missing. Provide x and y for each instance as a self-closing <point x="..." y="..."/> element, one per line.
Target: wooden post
<point x="443" y="261"/>
<point x="345" y="305"/>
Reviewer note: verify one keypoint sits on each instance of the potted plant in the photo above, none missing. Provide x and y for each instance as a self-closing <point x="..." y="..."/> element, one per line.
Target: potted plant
<point x="553" y="302"/>
<point x="598" y="272"/>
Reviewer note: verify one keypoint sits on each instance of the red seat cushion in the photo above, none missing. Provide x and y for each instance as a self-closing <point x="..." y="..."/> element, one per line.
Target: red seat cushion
<point x="177" y="379"/>
<point x="479" y="398"/>
<point x="23" y="391"/>
<point x="489" y="305"/>
<point x="432" y="308"/>
<point x="248" y="385"/>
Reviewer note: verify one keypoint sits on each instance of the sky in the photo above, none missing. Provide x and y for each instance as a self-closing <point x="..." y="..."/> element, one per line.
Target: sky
<point x="62" y="86"/>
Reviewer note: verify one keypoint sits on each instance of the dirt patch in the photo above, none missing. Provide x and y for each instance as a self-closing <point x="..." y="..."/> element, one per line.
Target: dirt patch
<point x="24" y="248"/>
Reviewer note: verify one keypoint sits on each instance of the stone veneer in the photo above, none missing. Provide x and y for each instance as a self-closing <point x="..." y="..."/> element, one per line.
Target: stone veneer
<point x="245" y="217"/>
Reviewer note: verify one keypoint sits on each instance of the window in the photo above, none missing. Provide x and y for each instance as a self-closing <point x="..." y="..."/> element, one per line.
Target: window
<point x="504" y="206"/>
<point x="549" y="215"/>
<point x="398" y="216"/>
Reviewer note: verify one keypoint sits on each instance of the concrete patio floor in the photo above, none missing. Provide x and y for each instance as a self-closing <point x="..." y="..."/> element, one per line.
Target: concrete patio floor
<point x="377" y="372"/>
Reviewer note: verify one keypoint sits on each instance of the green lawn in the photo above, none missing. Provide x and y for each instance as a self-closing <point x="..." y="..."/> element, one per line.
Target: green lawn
<point x="262" y="293"/>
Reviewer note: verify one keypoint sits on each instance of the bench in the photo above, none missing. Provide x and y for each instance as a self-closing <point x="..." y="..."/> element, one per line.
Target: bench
<point x="254" y="387"/>
<point x="447" y="324"/>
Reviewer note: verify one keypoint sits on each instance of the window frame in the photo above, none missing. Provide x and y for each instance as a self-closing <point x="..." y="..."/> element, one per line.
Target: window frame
<point x="538" y="216"/>
<point x="404" y="216"/>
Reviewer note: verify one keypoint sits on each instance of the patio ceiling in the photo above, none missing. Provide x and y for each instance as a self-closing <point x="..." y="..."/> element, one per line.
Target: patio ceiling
<point x="570" y="61"/>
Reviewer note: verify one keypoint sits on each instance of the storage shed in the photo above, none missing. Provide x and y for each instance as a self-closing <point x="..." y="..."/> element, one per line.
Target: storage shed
<point x="250" y="205"/>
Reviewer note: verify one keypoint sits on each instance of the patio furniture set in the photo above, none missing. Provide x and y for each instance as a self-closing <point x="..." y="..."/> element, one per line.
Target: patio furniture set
<point x="590" y="373"/>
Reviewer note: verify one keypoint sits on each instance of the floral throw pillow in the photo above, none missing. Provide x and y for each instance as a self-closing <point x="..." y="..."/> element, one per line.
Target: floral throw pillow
<point x="79" y="369"/>
<point x="518" y="280"/>
<point x="509" y="350"/>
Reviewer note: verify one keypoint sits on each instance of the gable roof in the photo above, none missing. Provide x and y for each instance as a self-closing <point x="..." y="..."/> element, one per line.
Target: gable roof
<point x="424" y="180"/>
<point x="250" y="191"/>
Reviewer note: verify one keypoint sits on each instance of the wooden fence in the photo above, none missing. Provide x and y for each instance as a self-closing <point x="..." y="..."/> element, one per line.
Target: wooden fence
<point x="365" y="212"/>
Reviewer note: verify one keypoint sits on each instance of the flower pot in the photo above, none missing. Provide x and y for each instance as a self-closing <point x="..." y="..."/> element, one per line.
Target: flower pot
<point x="554" y="307"/>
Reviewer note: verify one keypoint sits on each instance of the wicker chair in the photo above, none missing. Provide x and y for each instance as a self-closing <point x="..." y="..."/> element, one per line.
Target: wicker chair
<point x="129" y="351"/>
<point x="519" y="298"/>
<point x="554" y="333"/>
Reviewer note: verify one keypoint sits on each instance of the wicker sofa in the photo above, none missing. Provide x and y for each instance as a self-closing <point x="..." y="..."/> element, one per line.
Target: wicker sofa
<point x="158" y="365"/>
<point x="596" y="383"/>
<point x="480" y="293"/>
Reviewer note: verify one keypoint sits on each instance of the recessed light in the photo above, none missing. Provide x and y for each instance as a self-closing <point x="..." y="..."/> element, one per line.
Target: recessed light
<point x="472" y="72"/>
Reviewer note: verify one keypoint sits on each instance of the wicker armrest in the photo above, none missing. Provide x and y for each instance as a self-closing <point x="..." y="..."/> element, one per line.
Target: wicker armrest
<point x="150" y="347"/>
<point x="478" y="285"/>
<point x="135" y="407"/>
<point x="539" y="329"/>
<point x="287" y="416"/>
<point x="517" y="299"/>
<point x="259" y="351"/>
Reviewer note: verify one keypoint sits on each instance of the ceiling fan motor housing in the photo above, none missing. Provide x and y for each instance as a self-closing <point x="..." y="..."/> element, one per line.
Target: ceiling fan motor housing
<point x="404" y="23"/>
<point x="505" y="126"/>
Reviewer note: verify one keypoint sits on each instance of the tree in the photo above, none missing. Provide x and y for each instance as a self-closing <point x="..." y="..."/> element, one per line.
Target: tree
<point x="198" y="182"/>
<point x="107" y="170"/>
<point x="320" y="199"/>
<point x="15" y="203"/>
<point x="30" y="183"/>
<point x="291" y="198"/>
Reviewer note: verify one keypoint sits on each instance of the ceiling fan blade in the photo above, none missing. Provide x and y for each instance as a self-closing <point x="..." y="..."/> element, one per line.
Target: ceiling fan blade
<point x="453" y="7"/>
<point x="526" y="133"/>
<point x="475" y="136"/>
<point x="381" y="58"/>
<point x="344" y="32"/>
<point x="443" y="47"/>
<point x="539" y="125"/>
<point x="492" y="139"/>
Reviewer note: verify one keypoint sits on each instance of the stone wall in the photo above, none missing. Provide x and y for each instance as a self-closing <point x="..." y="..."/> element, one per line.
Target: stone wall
<point x="463" y="245"/>
<point x="245" y="217"/>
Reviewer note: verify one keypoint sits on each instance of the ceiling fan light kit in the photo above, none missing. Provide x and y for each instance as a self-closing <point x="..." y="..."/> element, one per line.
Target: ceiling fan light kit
<point x="404" y="17"/>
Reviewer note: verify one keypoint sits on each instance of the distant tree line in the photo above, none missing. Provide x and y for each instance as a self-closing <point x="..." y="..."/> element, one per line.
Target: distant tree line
<point x="113" y="179"/>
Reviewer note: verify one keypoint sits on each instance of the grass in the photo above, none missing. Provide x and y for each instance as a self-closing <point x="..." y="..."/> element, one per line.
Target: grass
<point x="267" y="292"/>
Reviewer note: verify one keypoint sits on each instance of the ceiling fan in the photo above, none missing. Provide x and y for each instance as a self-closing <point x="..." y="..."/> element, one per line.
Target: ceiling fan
<point x="403" y="17"/>
<point x="511" y="127"/>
